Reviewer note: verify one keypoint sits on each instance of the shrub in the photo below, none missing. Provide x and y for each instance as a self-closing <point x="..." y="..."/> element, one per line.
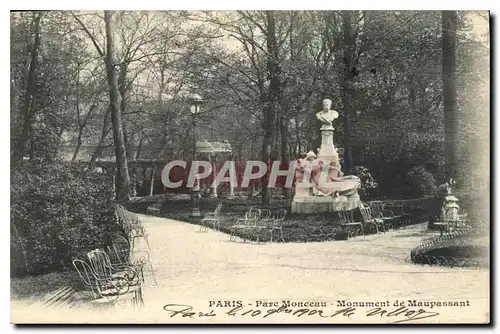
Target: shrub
<point x="58" y="212"/>
<point x="420" y="182"/>
<point x="369" y="186"/>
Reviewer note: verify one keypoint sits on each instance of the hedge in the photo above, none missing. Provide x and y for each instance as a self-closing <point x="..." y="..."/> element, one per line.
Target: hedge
<point x="59" y="211"/>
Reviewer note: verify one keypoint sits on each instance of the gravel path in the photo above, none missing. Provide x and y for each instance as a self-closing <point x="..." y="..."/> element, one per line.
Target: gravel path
<point x="194" y="268"/>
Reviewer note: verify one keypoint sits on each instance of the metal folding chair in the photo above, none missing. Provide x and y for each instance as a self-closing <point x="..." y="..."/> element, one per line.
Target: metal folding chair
<point x="132" y="226"/>
<point x="347" y="222"/>
<point x="250" y="220"/>
<point x="105" y="289"/>
<point x="121" y="254"/>
<point x="212" y="217"/>
<point x="277" y="223"/>
<point x="263" y="221"/>
<point x="100" y="263"/>
<point x="369" y="220"/>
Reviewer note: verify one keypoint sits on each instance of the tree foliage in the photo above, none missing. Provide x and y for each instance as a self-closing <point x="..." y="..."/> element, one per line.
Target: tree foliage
<point x="262" y="76"/>
<point x="58" y="213"/>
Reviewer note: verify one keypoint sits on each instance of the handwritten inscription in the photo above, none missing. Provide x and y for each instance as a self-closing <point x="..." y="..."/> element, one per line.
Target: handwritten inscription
<point x="410" y="314"/>
<point x="186" y="311"/>
<point x="397" y="314"/>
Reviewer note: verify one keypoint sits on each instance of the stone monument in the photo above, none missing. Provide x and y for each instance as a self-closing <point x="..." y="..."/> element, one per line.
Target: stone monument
<point x="319" y="182"/>
<point x="327" y="152"/>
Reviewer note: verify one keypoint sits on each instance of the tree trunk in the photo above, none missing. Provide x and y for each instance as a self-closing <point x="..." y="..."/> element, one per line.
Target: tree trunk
<point x="77" y="148"/>
<point x="139" y="148"/>
<point x="17" y="235"/>
<point x="152" y="179"/>
<point x="81" y="127"/>
<point x="30" y="89"/>
<point x="122" y="177"/>
<point x="135" y="174"/>
<point x="297" y="133"/>
<point x="122" y="85"/>
<point x="267" y="143"/>
<point x="412" y="93"/>
<point x="285" y="151"/>
<point x="276" y="152"/>
<point x="449" y="27"/>
<point x="273" y="101"/>
<point x="102" y="139"/>
<point x="347" y="86"/>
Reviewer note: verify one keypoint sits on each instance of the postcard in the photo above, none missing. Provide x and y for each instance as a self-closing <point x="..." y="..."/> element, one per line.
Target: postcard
<point x="250" y="167"/>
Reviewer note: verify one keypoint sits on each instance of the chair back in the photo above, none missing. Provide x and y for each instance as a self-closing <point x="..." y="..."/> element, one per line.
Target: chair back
<point x="377" y="208"/>
<point x="119" y="251"/>
<point x="366" y="214"/>
<point x="346" y="216"/>
<point x="395" y="207"/>
<point x="84" y="272"/>
<point x="279" y="217"/>
<point x="252" y="216"/>
<point x="100" y="263"/>
<point x="265" y="215"/>
<point x="130" y="222"/>
<point x="252" y="213"/>
<point x="218" y="209"/>
<point x="87" y="277"/>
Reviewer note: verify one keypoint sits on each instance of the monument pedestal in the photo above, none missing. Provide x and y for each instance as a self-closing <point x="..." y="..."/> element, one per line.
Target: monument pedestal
<point x="315" y="204"/>
<point x="304" y="200"/>
<point x="327" y="152"/>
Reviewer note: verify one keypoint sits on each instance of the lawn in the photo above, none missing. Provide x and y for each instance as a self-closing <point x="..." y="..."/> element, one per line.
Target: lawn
<point x="35" y="287"/>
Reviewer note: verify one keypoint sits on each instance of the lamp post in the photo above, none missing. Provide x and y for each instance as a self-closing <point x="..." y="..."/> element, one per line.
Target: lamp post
<point x="195" y="108"/>
<point x="213" y="159"/>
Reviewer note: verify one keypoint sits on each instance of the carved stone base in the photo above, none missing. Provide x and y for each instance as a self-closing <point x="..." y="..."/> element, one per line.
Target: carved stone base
<point x="317" y="204"/>
<point x="327" y="152"/>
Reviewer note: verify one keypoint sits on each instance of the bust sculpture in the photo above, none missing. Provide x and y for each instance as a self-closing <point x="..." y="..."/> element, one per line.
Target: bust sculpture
<point x="327" y="115"/>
